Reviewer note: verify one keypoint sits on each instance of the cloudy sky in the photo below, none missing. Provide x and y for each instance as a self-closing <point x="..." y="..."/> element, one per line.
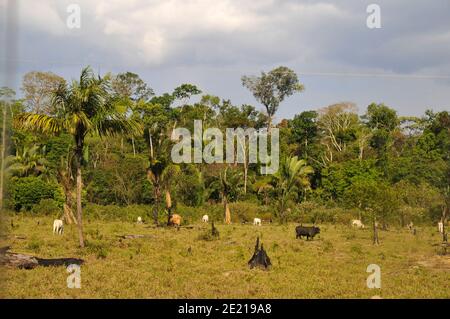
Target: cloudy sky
<point x="405" y="64"/>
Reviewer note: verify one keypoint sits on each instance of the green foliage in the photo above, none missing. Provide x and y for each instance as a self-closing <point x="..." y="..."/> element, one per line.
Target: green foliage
<point x="186" y="91"/>
<point x="128" y="213"/>
<point x="130" y="85"/>
<point x="290" y="181"/>
<point x="382" y="117"/>
<point x="305" y="131"/>
<point x="346" y="166"/>
<point x="98" y="248"/>
<point x="98" y="190"/>
<point x="48" y="207"/>
<point x="270" y="89"/>
<point x="376" y="199"/>
<point x="29" y="191"/>
<point x="339" y="177"/>
<point x="190" y="187"/>
<point x="57" y="147"/>
<point x="246" y="211"/>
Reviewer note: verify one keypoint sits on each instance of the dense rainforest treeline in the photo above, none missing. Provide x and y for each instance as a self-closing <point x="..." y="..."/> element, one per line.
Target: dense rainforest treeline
<point x="108" y="140"/>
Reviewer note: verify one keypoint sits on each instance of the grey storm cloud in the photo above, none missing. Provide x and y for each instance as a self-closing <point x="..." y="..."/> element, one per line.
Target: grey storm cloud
<point x="214" y="42"/>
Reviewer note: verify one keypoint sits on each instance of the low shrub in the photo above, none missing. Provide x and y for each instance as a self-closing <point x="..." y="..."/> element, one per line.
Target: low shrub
<point x="48" y="207"/>
<point x="29" y="191"/>
<point x="119" y="213"/>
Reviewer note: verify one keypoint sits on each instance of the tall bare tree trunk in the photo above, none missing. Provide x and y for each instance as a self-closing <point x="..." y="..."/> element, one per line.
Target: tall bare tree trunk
<point x="134" y="147"/>
<point x="168" y="200"/>
<point x="151" y="144"/>
<point x="68" y="214"/>
<point x="79" y="208"/>
<point x="168" y="206"/>
<point x="156" y="206"/>
<point x="79" y="159"/>
<point x="306" y="148"/>
<point x="269" y="123"/>
<point x="227" y="213"/>
<point x="245" y="177"/>
<point x="375" y="232"/>
<point x="444" y="221"/>
<point x="3" y="155"/>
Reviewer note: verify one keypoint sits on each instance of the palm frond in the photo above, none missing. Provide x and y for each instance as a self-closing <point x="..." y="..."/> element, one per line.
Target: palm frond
<point x="118" y="125"/>
<point x="38" y="123"/>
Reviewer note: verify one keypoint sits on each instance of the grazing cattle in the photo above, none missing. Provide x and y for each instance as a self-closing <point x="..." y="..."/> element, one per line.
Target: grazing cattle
<point x="257" y="221"/>
<point x="139" y="220"/>
<point x="58" y="226"/>
<point x="306" y="231"/>
<point x="175" y="220"/>
<point x="205" y="218"/>
<point x="441" y="227"/>
<point x="358" y="224"/>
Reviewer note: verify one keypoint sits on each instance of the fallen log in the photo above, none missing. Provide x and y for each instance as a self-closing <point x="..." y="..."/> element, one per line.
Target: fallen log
<point x="19" y="237"/>
<point x="165" y="226"/>
<point x="24" y="261"/>
<point x="134" y="236"/>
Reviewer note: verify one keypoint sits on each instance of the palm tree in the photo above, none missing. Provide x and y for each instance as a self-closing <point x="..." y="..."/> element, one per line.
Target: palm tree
<point x="64" y="176"/>
<point x="229" y="184"/>
<point x="263" y="187"/>
<point x="6" y="94"/>
<point x="83" y="107"/>
<point x="29" y="161"/>
<point x="291" y="178"/>
<point x="161" y="175"/>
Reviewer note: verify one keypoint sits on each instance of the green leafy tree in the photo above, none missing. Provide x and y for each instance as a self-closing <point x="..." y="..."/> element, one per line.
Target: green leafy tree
<point x="305" y="130"/>
<point x="291" y="178"/>
<point x="270" y="89"/>
<point x="6" y="94"/>
<point x="382" y="120"/>
<point x="130" y="85"/>
<point x="229" y="184"/>
<point x="185" y="91"/>
<point x="83" y="107"/>
<point x="29" y="161"/>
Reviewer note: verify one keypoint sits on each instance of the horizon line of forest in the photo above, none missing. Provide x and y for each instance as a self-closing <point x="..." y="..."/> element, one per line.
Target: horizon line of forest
<point x="105" y="140"/>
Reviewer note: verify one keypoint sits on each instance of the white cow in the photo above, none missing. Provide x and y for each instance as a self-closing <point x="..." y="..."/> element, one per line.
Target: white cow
<point x="205" y="218"/>
<point x="58" y="226"/>
<point x="139" y="220"/>
<point x="358" y="224"/>
<point x="441" y="227"/>
<point x="410" y="226"/>
<point x="257" y="221"/>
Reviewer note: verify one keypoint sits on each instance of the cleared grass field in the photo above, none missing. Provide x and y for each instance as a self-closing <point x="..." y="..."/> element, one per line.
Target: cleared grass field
<point x="181" y="264"/>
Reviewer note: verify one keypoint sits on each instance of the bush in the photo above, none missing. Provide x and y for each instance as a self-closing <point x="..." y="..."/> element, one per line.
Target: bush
<point x="312" y="212"/>
<point x="246" y="211"/>
<point x="97" y="248"/>
<point x="48" y="207"/>
<point x="194" y="214"/>
<point x="119" y="213"/>
<point x="29" y="191"/>
<point x="240" y="212"/>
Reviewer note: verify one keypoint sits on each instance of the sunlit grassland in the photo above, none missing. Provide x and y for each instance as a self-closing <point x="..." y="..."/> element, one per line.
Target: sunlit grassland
<point x="180" y="264"/>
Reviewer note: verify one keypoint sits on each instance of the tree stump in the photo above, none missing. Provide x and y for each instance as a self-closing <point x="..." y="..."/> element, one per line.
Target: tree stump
<point x="214" y="231"/>
<point x="375" y="232"/>
<point x="260" y="259"/>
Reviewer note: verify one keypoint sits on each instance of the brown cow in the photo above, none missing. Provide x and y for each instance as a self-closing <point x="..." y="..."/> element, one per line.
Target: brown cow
<point x="175" y="220"/>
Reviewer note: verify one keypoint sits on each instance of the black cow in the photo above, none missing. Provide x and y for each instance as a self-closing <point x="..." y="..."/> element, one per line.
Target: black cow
<point x="306" y="231"/>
